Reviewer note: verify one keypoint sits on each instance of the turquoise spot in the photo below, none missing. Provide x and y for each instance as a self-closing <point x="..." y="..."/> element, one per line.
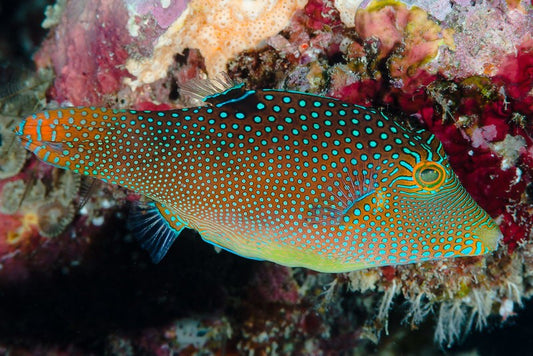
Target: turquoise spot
<point x="467" y="250"/>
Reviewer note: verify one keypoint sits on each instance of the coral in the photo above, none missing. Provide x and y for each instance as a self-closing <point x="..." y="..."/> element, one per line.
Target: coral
<point x="485" y="33"/>
<point x="395" y="62"/>
<point x="23" y="90"/>
<point x="227" y="28"/>
<point x="347" y="9"/>
<point x="393" y="24"/>
<point x="12" y="196"/>
<point x="53" y="218"/>
<point x="12" y="156"/>
<point x="164" y="13"/>
<point x="87" y="79"/>
<point x="275" y="284"/>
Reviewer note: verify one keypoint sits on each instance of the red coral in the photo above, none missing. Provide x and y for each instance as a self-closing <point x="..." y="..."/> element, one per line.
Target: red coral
<point x="312" y="323"/>
<point x="412" y="96"/>
<point x="495" y="114"/>
<point x="516" y="73"/>
<point x="388" y="272"/>
<point x="274" y="284"/>
<point x="364" y="92"/>
<point x="87" y="51"/>
<point x="322" y="13"/>
<point x="147" y="105"/>
<point x="516" y="227"/>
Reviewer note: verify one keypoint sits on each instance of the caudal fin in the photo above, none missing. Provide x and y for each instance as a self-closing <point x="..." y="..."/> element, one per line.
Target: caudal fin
<point x="69" y="138"/>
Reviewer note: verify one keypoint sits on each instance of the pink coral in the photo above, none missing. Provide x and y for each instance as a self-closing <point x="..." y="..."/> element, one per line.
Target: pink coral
<point x="274" y="284"/>
<point x="322" y="13"/>
<point x="87" y="51"/>
<point x="164" y="15"/>
<point x="485" y="33"/>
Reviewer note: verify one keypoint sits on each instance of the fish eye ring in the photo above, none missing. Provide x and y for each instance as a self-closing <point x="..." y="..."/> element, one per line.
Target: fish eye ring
<point x="429" y="175"/>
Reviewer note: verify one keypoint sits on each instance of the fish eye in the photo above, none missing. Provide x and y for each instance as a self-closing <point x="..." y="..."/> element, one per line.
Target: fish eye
<point x="429" y="175"/>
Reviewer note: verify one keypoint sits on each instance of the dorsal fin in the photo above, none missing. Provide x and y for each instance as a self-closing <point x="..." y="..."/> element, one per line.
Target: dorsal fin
<point x="218" y="91"/>
<point x="156" y="228"/>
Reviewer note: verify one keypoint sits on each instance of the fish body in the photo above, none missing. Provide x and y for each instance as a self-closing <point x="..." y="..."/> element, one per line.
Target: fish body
<point x="289" y="177"/>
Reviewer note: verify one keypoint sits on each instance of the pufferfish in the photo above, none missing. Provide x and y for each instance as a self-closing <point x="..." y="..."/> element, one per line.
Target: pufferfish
<point x="284" y="176"/>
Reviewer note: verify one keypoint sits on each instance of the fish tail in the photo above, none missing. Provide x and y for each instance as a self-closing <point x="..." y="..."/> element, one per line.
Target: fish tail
<point x="63" y="137"/>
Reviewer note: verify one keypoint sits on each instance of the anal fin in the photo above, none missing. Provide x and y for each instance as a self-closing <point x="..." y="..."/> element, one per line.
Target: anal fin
<point x="156" y="228"/>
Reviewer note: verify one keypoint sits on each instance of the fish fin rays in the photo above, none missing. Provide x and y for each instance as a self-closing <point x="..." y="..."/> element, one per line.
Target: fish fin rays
<point x="197" y="89"/>
<point x="353" y="193"/>
<point x="88" y="186"/>
<point x="334" y="213"/>
<point x="156" y="228"/>
<point x="218" y="91"/>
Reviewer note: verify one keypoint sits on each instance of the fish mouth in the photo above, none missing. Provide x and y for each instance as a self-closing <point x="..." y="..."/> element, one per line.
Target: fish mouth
<point x="490" y="236"/>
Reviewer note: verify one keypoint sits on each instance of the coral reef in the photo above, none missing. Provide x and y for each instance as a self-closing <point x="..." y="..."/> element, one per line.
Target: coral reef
<point x="464" y="72"/>
<point x="86" y="79"/>
<point x="227" y="28"/>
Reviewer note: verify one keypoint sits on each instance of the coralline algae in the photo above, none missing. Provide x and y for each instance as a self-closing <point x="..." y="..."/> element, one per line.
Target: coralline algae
<point x="462" y="71"/>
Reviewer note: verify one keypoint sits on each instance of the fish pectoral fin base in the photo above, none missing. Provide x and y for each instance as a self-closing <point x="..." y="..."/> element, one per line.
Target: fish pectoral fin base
<point x="156" y="228"/>
<point x="340" y="212"/>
